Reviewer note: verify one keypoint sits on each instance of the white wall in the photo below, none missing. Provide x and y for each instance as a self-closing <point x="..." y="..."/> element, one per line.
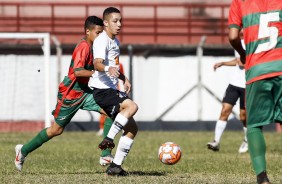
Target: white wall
<point x="158" y="83"/>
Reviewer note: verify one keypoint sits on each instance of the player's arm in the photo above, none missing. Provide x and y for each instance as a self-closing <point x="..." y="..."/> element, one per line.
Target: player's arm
<point x="235" y="25"/>
<point x="83" y="73"/>
<point x="99" y="66"/>
<point x="233" y="62"/>
<point x="235" y="41"/>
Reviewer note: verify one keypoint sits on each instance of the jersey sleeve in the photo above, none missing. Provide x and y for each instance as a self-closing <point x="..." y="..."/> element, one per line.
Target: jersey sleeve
<point x="100" y="48"/>
<point x="235" y="15"/>
<point x="81" y="55"/>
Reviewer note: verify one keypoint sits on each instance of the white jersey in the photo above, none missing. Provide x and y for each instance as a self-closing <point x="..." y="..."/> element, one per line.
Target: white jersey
<point x="107" y="49"/>
<point x="238" y="74"/>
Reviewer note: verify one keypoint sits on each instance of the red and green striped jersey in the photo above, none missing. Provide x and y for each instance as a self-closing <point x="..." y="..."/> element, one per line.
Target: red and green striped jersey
<point x="261" y="21"/>
<point x="73" y="88"/>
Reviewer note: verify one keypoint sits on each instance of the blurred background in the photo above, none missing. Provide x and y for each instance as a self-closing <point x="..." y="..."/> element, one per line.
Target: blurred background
<point x="168" y="49"/>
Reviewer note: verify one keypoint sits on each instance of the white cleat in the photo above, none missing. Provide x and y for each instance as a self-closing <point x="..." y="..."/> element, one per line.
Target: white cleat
<point x="244" y="147"/>
<point x="214" y="146"/>
<point x="106" y="160"/>
<point x="19" y="160"/>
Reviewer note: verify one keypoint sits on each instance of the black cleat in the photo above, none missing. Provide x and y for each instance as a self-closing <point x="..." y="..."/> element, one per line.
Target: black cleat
<point x="116" y="170"/>
<point x="262" y="178"/>
<point x="107" y="143"/>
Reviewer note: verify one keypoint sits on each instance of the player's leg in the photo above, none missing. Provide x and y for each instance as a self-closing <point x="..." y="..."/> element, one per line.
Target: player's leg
<point x="43" y="136"/>
<point x="62" y="116"/>
<point x="118" y="107"/>
<point x="222" y="122"/>
<point x="121" y="109"/>
<point x="128" y="109"/>
<point x="257" y="150"/>
<point x="229" y="100"/>
<point x="261" y="100"/>
<point x="123" y="148"/>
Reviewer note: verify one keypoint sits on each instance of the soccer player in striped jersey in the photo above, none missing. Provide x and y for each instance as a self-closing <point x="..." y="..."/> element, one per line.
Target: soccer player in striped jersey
<point x="262" y="31"/>
<point x="73" y="94"/>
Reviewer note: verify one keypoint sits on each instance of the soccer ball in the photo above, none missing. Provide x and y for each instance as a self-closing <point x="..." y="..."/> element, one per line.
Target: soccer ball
<point x="169" y="153"/>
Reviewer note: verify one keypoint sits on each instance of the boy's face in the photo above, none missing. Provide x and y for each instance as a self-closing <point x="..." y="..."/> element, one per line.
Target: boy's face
<point x="113" y="23"/>
<point x="94" y="33"/>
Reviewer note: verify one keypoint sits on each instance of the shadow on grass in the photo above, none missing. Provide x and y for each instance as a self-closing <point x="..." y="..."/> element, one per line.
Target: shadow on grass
<point x="136" y="173"/>
<point x="147" y="173"/>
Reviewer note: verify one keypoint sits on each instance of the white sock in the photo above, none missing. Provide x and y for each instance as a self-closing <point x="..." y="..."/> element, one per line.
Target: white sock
<point x="123" y="148"/>
<point x="245" y="133"/>
<point x="117" y="125"/>
<point x="219" y="129"/>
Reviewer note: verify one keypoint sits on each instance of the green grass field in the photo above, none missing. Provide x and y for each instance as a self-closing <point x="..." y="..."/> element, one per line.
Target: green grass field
<point x="73" y="158"/>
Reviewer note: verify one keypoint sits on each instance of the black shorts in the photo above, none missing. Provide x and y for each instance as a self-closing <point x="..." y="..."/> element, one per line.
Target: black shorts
<point x="109" y="100"/>
<point x="232" y="94"/>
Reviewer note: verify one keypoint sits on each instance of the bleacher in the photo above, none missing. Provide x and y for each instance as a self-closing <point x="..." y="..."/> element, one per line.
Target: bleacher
<point x="143" y="23"/>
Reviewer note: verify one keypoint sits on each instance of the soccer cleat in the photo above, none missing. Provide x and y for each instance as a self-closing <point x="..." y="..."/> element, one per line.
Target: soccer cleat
<point x="19" y="160"/>
<point x="107" y="143"/>
<point x="116" y="170"/>
<point x="106" y="160"/>
<point x="262" y="178"/>
<point x="244" y="147"/>
<point x="214" y="146"/>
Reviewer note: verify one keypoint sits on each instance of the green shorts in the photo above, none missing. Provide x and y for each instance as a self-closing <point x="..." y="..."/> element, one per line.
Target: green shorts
<point x="63" y="113"/>
<point x="264" y="102"/>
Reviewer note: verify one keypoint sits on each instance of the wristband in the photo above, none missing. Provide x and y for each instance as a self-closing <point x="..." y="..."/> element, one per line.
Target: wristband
<point x="106" y="68"/>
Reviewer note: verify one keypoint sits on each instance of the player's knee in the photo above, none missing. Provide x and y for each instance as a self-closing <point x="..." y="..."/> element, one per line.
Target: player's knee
<point x="225" y="113"/>
<point x="133" y="107"/>
<point x="55" y="131"/>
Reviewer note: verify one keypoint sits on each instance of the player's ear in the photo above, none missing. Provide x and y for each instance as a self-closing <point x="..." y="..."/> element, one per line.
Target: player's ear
<point x="87" y="32"/>
<point x="105" y="23"/>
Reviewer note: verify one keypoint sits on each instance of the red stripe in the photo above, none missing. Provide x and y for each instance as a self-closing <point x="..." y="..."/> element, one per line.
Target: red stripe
<point x="265" y="76"/>
<point x="251" y="34"/>
<point x="57" y="109"/>
<point x="262" y="57"/>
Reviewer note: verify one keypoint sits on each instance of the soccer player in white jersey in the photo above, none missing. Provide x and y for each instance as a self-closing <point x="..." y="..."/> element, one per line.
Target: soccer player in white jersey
<point x="116" y="104"/>
<point x="234" y="91"/>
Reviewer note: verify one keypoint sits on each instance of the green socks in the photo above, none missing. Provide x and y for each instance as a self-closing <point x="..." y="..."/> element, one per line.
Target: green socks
<point x="107" y="126"/>
<point x="257" y="149"/>
<point x="35" y="143"/>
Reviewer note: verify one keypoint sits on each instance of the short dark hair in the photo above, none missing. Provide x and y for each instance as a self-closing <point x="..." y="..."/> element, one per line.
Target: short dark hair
<point x="91" y="21"/>
<point x="110" y="10"/>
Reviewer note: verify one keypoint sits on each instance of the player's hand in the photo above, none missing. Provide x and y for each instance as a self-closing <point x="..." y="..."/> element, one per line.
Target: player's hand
<point x="240" y="64"/>
<point x="113" y="71"/>
<point x="217" y="65"/>
<point x="243" y="58"/>
<point x="127" y="86"/>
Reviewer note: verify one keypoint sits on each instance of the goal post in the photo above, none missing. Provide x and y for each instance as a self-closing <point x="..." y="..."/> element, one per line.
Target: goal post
<point x="46" y="51"/>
